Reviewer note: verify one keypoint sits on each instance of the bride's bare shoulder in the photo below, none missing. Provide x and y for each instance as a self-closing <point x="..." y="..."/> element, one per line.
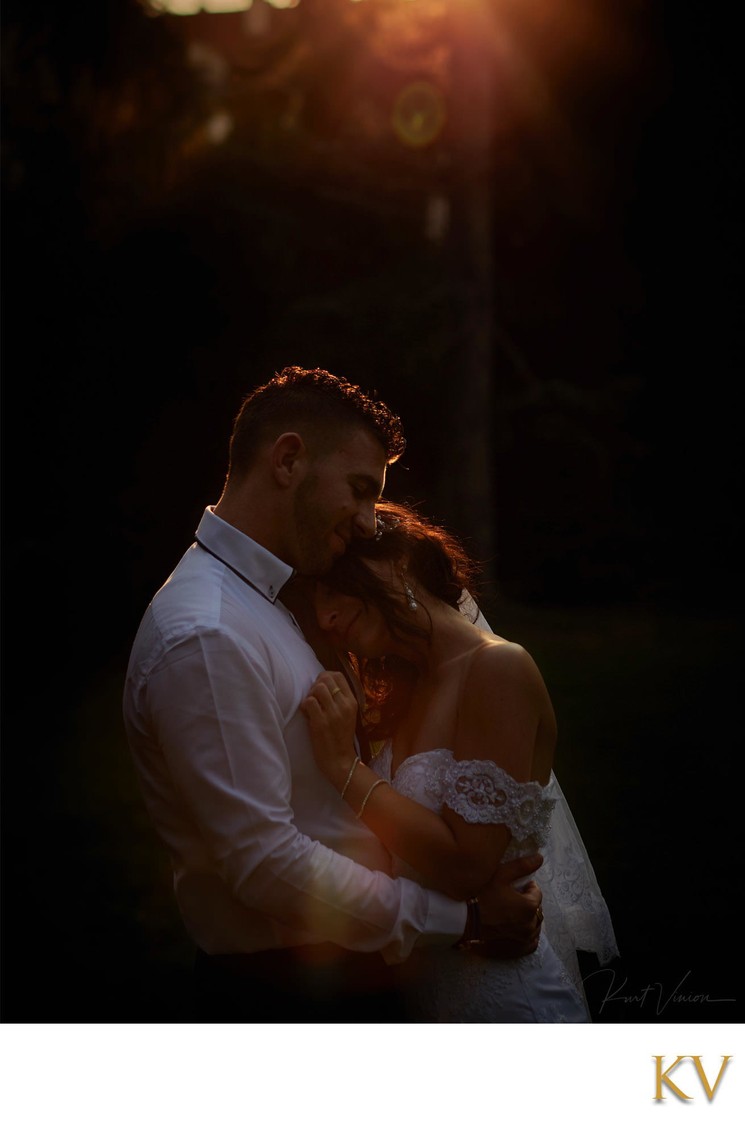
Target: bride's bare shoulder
<point x="499" y="662"/>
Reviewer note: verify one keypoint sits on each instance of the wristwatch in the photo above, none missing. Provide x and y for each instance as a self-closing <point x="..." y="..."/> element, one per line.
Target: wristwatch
<point x="472" y="935"/>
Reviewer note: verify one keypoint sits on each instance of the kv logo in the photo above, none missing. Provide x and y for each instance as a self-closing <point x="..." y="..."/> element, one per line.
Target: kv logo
<point x="664" y="1077"/>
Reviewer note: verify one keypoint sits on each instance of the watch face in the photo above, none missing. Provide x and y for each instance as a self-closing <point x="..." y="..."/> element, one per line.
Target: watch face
<point x="418" y="114"/>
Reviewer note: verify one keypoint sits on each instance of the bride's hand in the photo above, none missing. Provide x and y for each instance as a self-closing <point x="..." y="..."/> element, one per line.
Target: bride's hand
<point x="331" y="712"/>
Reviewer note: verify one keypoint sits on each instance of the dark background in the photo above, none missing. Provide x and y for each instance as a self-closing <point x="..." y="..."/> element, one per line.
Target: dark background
<point x="564" y="352"/>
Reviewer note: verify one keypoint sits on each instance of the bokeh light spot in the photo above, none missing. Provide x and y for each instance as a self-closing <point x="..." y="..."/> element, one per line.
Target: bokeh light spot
<point x="418" y="114"/>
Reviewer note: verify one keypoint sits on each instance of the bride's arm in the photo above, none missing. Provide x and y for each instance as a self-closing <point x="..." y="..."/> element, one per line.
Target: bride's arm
<point x="452" y="855"/>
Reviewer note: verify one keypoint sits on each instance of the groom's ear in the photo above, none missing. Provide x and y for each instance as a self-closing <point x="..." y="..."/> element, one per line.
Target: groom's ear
<point x="289" y="460"/>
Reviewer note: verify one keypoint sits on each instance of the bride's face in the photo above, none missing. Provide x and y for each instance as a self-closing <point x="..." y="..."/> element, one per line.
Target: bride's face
<point x="352" y="624"/>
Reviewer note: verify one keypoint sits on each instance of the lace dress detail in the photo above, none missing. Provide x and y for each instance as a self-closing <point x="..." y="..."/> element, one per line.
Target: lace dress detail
<point x="577" y="917"/>
<point x="479" y="791"/>
<point x="458" y="986"/>
<point x="483" y="793"/>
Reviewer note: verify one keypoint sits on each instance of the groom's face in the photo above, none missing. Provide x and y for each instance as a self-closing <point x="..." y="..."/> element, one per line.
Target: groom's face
<point x="336" y="500"/>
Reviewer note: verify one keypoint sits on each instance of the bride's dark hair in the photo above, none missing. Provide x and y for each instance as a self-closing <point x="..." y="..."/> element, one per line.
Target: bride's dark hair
<point x="424" y="553"/>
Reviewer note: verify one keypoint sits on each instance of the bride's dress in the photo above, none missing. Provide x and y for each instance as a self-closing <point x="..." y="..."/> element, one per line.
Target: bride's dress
<point x="452" y="985"/>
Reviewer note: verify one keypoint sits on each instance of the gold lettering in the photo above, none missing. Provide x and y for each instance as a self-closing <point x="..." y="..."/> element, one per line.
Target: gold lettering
<point x="665" y="1076"/>
<point x="702" y="1075"/>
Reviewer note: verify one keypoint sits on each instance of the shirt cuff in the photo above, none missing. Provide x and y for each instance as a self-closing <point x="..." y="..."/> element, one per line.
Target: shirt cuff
<point x="445" y="923"/>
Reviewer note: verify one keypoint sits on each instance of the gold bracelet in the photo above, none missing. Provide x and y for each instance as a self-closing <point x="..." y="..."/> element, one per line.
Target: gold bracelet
<point x="355" y="762"/>
<point x="368" y="794"/>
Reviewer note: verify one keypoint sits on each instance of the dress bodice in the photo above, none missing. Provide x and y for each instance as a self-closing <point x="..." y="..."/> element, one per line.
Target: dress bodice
<point x="539" y="819"/>
<point x="452" y="985"/>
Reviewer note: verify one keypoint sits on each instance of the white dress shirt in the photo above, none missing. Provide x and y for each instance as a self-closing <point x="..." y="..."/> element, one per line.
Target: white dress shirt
<point x="265" y="853"/>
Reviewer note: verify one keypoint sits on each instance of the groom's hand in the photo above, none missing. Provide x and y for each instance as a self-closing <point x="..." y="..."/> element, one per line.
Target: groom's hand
<point x="510" y="919"/>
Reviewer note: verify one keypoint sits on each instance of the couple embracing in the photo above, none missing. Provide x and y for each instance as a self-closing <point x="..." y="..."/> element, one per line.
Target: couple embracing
<point x="351" y="772"/>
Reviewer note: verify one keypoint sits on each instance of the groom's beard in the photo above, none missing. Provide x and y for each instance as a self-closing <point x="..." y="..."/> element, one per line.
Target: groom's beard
<point x="315" y="539"/>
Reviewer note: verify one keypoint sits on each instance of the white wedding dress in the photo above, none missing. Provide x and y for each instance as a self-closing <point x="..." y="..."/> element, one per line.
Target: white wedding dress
<point x="452" y="985"/>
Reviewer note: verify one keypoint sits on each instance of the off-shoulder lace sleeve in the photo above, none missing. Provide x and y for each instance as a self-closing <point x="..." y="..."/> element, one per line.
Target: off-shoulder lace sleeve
<point x="483" y="793"/>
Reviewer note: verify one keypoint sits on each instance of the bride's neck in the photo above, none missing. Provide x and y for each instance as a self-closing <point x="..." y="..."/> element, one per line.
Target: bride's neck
<point x="452" y="636"/>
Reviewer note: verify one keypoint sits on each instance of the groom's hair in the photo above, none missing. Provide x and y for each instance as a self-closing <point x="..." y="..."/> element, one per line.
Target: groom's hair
<point x="319" y="406"/>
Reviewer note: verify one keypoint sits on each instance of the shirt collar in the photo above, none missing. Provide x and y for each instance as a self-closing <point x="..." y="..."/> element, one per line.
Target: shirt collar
<point x="265" y="571"/>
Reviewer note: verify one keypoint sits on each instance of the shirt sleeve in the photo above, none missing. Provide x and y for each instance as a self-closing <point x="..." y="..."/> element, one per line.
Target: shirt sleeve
<point x="231" y="771"/>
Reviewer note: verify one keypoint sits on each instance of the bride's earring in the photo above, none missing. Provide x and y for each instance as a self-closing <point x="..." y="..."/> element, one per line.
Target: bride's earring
<point x="410" y="600"/>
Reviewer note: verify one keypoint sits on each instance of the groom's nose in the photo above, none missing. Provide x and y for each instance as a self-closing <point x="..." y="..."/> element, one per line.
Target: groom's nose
<point x="364" y="521"/>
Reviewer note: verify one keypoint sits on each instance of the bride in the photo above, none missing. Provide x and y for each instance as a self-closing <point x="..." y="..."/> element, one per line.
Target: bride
<point x="463" y="734"/>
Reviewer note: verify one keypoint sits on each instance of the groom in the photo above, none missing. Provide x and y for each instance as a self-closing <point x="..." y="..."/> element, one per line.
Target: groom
<point x="285" y="893"/>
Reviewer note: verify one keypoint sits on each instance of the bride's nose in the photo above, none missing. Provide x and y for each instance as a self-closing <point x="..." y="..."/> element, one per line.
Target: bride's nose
<point x="329" y="607"/>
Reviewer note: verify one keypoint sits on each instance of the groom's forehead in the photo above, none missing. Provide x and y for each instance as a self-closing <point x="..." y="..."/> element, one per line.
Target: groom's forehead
<point x="360" y="458"/>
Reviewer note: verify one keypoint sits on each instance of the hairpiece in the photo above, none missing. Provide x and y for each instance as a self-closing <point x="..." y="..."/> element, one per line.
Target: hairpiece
<point x="385" y="524"/>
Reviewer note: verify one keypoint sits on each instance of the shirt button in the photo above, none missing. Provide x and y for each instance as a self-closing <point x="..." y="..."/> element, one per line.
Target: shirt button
<point x="271" y="590"/>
